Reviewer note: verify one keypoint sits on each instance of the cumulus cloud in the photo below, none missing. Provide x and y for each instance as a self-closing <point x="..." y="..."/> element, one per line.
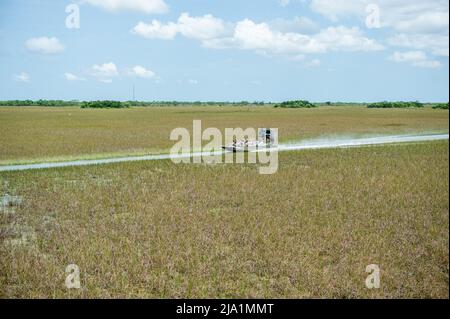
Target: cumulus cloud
<point x="44" y="45"/>
<point x="260" y="37"/>
<point x="335" y="9"/>
<point x="73" y="77"/>
<point x="104" y="72"/>
<point x="347" y="39"/>
<point x="418" y="24"/>
<point x="141" y="72"/>
<point x="21" y="77"/>
<point x="298" y="24"/>
<point x="145" y="6"/>
<point x="437" y="44"/>
<point x="156" y="30"/>
<point x="249" y="35"/>
<point x="402" y="15"/>
<point x="204" y="27"/>
<point x="415" y="58"/>
<point x="427" y="22"/>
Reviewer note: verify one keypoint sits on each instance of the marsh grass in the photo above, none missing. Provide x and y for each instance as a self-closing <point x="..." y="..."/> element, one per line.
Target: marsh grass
<point x="33" y="134"/>
<point x="157" y="229"/>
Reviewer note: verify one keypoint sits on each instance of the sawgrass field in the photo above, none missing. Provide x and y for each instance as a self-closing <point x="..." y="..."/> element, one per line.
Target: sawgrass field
<point x="30" y="134"/>
<point x="162" y="230"/>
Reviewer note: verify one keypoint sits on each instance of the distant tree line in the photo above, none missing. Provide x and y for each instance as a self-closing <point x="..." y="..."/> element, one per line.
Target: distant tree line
<point x="104" y="105"/>
<point x="118" y="104"/>
<point x="286" y="104"/>
<point x="440" y="106"/>
<point x="296" y="104"/>
<point x="39" y="103"/>
<point x="195" y="103"/>
<point x="391" y="105"/>
<point x="329" y="103"/>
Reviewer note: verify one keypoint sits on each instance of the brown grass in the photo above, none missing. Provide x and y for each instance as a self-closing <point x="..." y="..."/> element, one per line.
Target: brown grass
<point x="31" y="134"/>
<point x="156" y="229"/>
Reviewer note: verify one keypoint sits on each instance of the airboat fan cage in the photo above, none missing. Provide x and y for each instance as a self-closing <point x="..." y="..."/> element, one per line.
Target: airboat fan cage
<point x="268" y="136"/>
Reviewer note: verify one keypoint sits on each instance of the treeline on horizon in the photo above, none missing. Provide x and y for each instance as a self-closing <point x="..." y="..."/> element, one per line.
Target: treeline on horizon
<point x="403" y="105"/>
<point x="123" y="104"/>
<point x="286" y="104"/>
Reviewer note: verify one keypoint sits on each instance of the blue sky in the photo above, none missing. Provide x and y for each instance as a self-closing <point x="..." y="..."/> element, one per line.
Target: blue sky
<point x="227" y="50"/>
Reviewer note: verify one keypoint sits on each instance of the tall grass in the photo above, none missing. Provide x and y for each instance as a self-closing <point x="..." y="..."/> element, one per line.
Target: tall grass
<point x="43" y="134"/>
<point x="157" y="229"/>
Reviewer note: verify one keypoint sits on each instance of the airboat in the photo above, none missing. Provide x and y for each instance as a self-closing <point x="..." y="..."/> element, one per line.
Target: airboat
<point x="266" y="139"/>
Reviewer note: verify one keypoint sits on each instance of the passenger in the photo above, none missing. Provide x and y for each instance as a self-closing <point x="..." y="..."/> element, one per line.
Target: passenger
<point x="268" y="135"/>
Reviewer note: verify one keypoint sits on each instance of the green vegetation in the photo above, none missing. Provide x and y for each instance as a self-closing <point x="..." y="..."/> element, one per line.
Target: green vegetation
<point x="104" y="105"/>
<point x="390" y="105"/>
<point x="33" y="134"/>
<point x="287" y="104"/>
<point x="115" y="104"/>
<point x="296" y="104"/>
<point x="441" y="106"/>
<point x="197" y="103"/>
<point x="55" y="103"/>
<point x="344" y="104"/>
<point x="158" y="229"/>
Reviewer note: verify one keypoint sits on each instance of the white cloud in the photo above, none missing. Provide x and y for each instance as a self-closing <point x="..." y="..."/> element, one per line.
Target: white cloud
<point x="192" y="81"/>
<point x="204" y="27"/>
<point x="252" y="36"/>
<point x="334" y="9"/>
<point x="21" y="77"/>
<point x="419" y="25"/>
<point x="347" y="39"/>
<point x="104" y="72"/>
<point x="249" y="35"/>
<point x="410" y="56"/>
<point x="145" y="6"/>
<point x="415" y="58"/>
<point x="427" y="22"/>
<point x="437" y="44"/>
<point x="73" y="77"/>
<point x="141" y="72"/>
<point x="262" y="38"/>
<point x="403" y="15"/>
<point x="298" y="24"/>
<point x="156" y="30"/>
<point x="44" y="45"/>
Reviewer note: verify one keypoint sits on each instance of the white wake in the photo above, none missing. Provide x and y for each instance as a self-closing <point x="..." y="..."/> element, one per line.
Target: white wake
<point x="319" y="143"/>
